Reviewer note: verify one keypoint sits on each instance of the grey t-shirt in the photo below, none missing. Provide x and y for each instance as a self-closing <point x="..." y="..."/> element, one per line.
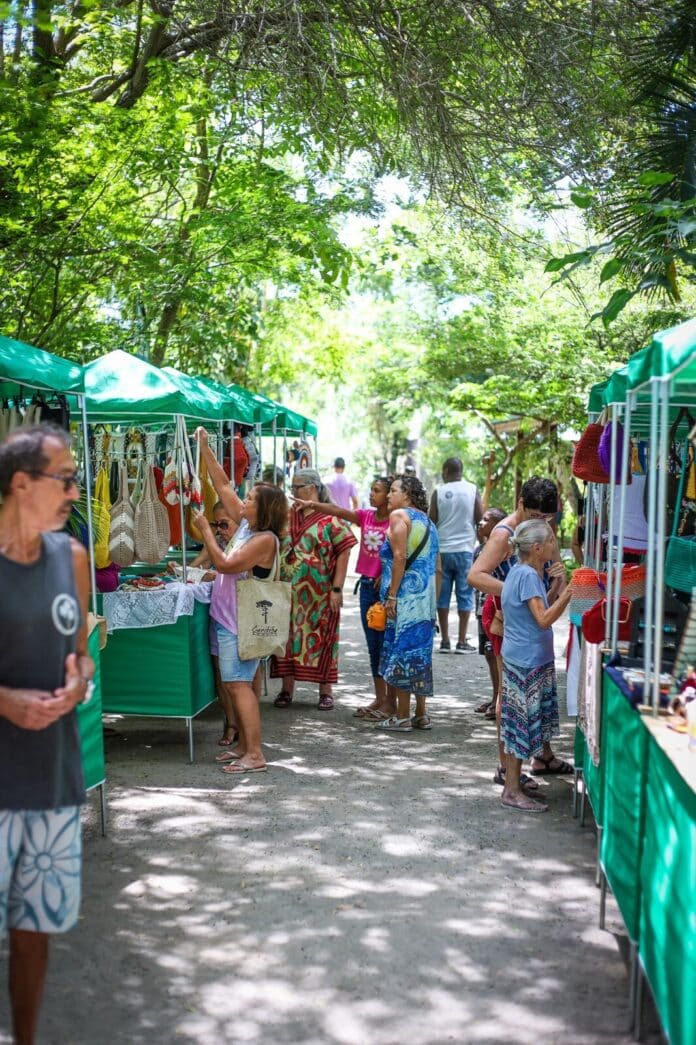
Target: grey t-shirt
<point x="39" y="620"/>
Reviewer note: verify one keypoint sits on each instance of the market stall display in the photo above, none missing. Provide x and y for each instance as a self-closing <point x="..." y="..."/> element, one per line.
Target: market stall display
<point x="642" y="785"/>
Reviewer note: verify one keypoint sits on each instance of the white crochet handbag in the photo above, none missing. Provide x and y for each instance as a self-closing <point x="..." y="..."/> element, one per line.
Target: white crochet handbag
<point x="152" y="534"/>
<point x="122" y="537"/>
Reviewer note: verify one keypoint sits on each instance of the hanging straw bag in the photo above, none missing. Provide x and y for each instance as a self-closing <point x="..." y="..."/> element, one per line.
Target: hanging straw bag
<point x="680" y="560"/>
<point x="122" y="539"/>
<point x="586" y="462"/>
<point x="101" y="510"/>
<point x="263" y="615"/>
<point x="151" y="523"/>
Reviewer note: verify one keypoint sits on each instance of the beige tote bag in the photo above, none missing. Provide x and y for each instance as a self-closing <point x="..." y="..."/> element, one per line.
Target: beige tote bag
<point x="122" y="536"/>
<point x="263" y="615"/>
<point x="151" y="523"/>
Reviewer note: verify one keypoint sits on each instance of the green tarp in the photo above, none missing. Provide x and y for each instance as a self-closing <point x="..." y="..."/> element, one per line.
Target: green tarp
<point x="667" y="944"/>
<point x="624" y="752"/>
<point x="120" y="386"/>
<point x="89" y="721"/>
<point x="238" y="403"/>
<point x="164" y="671"/>
<point x="25" y="365"/>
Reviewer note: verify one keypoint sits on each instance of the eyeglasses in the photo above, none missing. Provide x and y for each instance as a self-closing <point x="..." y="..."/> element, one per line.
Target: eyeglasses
<point x="299" y="486"/>
<point x="68" y="481"/>
<point x="220" y="525"/>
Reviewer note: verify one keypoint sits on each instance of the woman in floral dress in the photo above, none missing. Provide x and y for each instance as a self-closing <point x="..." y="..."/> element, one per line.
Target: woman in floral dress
<point x="316" y="553"/>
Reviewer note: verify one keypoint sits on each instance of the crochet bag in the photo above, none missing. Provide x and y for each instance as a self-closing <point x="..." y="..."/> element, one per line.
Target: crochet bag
<point x="152" y="534"/>
<point x="680" y="560"/>
<point x="586" y="462"/>
<point x="209" y="498"/>
<point x="594" y="621"/>
<point x="101" y="510"/>
<point x="377" y="616"/>
<point x="604" y="452"/>
<point x="589" y="587"/>
<point x="263" y="615"/>
<point x="122" y="539"/>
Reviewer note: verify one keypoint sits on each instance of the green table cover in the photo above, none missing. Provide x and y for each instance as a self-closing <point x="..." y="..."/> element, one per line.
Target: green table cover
<point x="593" y="776"/>
<point x="667" y="944"/>
<point x="624" y="754"/>
<point x="164" y="671"/>
<point x="89" y="722"/>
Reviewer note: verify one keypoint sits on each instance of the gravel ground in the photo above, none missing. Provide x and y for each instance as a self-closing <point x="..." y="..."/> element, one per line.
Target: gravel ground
<point x="368" y="890"/>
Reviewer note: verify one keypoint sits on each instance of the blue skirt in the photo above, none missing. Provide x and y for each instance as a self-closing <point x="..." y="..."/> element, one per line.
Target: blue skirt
<point x="530" y="709"/>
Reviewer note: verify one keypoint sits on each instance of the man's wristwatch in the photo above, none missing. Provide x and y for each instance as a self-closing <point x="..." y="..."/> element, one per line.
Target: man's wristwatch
<point x="339" y="591"/>
<point x="90" y="690"/>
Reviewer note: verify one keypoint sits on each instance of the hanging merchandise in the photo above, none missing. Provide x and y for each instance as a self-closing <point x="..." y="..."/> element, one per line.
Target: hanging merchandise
<point x="101" y="506"/>
<point x="117" y="450"/>
<point x="57" y="412"/>
<point x="300" y="454"/>
<point x="139" y="483"/>
<point x="674" y="467"/>
<point x="604" y="451"/>
<point x="122" y="540"/>
<point x="254" y="466"/>
<point x="586" y="463"/>
<point x="170" y="479"/>
<point x="152" y="533"/>
<point x="241" y="459"/>
<point x="635" y="525"/>
<point x="209" y="500"/>
<point x="589" y="587"/>
<point x="195" y="486"/>
<point x="680" y="561"/>
<point x="594" y="621"/>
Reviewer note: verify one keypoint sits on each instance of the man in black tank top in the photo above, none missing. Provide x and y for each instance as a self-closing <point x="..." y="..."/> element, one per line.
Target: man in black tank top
<point x="45" y="672"/>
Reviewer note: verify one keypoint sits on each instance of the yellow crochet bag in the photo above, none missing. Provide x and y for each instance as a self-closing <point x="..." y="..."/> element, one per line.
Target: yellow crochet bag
<point x="101" y="510"/>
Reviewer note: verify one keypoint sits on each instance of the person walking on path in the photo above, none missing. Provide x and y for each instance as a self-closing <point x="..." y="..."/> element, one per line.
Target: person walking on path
<point x="529" y="711"/>
<point x="373" y="523"/>
<point x="410" y="567"/>
<point x="538" y="500"/>
<point x="455" y="508"/>
<point x="45" y="672"/>
<point x="344" y="492"/>
<point x="316" y="551"/>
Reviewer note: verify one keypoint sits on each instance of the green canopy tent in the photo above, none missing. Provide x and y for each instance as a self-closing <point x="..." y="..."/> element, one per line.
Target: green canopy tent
<point x="25" y="366"/>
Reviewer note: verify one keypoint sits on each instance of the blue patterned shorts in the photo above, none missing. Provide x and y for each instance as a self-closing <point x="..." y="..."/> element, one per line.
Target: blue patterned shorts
<point x="40" y="864"/>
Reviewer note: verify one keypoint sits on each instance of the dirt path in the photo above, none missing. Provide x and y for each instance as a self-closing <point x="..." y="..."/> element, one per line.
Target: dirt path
<point x="368" y="890"/>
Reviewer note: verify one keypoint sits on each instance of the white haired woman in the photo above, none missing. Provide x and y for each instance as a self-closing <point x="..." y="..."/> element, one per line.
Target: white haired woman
<point x="529" y="701"/>
<point x="316" y="552"/>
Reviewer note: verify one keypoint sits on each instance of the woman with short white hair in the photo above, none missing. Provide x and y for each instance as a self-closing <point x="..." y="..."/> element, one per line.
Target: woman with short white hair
<point x="530" y="702"/>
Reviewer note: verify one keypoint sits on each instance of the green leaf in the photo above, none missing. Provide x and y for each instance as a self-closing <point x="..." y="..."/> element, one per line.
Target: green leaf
<point x="616" y="304"/>
<point x="556" y="264"/>
<point x="612" y="267"/>
<point x="653" y="178"/>
<point x="582" y="198"/>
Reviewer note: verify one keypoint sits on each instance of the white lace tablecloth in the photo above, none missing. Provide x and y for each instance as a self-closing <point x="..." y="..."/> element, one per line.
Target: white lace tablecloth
<point x="152" y="609"/>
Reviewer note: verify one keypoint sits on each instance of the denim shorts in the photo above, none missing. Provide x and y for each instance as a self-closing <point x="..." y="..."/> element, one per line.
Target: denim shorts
<point x="232" y="669"/>
<point x="40" y="866"/>
<point x="455" y="568"/>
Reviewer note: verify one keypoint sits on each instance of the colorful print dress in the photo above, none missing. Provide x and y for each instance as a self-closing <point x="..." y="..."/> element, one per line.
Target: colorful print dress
<point x="310" y="552"/>
<point x="407" y="653"/>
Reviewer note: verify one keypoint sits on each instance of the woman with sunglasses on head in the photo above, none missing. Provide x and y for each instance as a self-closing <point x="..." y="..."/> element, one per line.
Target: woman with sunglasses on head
<point x="373" y="523"/>
<point x="316" y="550"/>
<point x="261" y="518"/>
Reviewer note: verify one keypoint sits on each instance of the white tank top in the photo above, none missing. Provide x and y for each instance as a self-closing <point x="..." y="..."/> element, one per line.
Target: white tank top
<point x="455" y="516"/>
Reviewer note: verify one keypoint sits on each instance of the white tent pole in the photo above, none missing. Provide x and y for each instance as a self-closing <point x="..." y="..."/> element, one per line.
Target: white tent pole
<point x="664" y="390"/>
<point x="654" y="463"/>
<point x="610" y="528"/>
<point x="625" y="471"/>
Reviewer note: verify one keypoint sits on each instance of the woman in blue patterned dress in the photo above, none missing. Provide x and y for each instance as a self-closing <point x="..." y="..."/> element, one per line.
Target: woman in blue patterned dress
<point x="410" y="564"/>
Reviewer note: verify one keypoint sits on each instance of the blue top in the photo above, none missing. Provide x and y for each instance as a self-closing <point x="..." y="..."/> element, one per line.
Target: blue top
<point x="524" y="642"/>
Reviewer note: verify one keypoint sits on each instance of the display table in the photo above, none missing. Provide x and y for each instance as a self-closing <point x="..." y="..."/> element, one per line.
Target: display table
<point x="89" y="722"/>
<point x="162" y="671"/>
<point x="667" y="942"/>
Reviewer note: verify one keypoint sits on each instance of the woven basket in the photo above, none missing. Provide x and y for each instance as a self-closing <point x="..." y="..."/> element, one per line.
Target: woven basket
<point x="122" y="539"/>
<point x="151" y="523"/>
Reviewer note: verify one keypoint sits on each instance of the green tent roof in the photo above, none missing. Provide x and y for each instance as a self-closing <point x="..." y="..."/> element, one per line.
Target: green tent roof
<point x="33" y="368"/>
<point x="239" y="405"/>
<point x="120" y="386"/>
<point x="200" y="397"/>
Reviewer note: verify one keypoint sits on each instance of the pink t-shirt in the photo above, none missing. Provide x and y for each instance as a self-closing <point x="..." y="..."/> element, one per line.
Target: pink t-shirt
<point x="373" y="533"/>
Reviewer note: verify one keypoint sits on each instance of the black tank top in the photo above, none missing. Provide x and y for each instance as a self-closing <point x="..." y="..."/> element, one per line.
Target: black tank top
<point x="39" y="621"/>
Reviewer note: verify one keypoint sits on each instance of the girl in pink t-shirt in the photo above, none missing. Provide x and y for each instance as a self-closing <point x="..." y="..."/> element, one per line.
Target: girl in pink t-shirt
<point x="373" y="523"/>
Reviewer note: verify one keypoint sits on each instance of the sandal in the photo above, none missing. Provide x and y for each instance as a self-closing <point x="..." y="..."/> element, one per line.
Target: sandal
<point x="481" y="708"/>
<point x="421" y="722"/>
<point x="363" y="712"/>
<point x="325" y="702"/>
<point x="562" y="769"/>
<point x="397" y="725"/>
<point x="525" y="805"/>
<point x="525" y="779"/>
<point x="229" y="741"/>
<point x="374" y="715"/>
<point x="283" y="700"/>
<point x="228" y="756"/>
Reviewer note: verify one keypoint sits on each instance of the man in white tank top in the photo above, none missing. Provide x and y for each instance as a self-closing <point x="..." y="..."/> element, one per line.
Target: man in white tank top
<point x="455" y="508"/>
